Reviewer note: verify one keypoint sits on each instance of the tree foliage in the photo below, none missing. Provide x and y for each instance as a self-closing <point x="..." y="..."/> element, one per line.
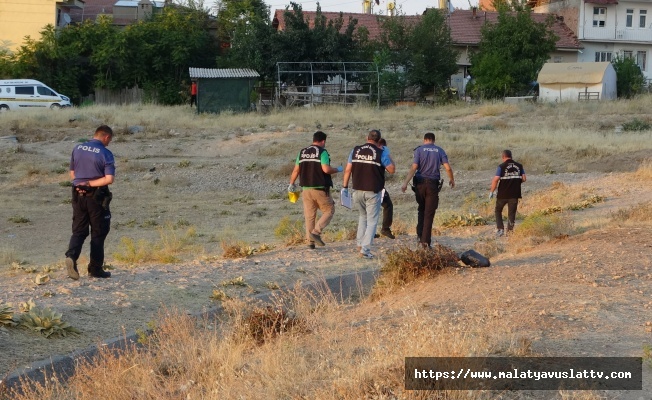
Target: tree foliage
<point x="433" y="58"/>
<point x="415" y="53"/>
<point x="629" y="78"/>
<point x="511" y="52"/>
<point x="153" y="54"/>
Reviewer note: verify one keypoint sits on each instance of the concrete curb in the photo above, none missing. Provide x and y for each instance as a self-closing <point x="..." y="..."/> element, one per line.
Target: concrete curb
<point x="343" y="287"/>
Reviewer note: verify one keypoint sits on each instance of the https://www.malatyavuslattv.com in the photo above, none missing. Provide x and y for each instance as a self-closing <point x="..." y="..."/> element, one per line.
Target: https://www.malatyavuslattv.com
<point x="527" y="373"/>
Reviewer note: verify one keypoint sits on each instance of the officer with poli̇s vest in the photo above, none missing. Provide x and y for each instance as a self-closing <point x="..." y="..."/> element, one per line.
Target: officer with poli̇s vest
<point x="509" y="177"/>
<point x="367" y="165"/>
<point x="312" y="167"/>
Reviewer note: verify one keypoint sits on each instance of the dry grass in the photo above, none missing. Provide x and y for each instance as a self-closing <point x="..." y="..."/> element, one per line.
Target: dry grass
<point x="171" y="244"/>
<point x="545" y="227"/>
<point x="633" y="215"/>
<point x="404" y="265"/>
<point x="644" y="170"/>
<point x="300" y="347"/>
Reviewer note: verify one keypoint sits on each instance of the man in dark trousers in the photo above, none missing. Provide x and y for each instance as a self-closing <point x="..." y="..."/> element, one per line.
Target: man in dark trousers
<point x="367" y="165"/>
<point x="92" y="169"/>
<point x="508" y="179"/>
<point x="386" y="203"/>
<point x="313" y="169"/>
<point x="428" y="158"/>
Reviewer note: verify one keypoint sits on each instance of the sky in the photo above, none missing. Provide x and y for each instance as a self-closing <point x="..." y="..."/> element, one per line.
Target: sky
<point x="409" y="7"/>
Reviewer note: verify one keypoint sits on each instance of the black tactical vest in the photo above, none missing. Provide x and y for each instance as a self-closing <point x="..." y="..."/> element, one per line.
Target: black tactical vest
<point x="310" y="172"/>
<point x="368" y="171"/>
<point x="510" y="180"/>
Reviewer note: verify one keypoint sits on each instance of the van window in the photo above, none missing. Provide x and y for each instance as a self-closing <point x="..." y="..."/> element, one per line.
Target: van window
<point x="25" y="90"/>
<point x="43" y="91"/>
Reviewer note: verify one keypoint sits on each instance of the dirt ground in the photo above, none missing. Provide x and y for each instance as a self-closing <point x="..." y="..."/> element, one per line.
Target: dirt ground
<point x="586" y="295"/>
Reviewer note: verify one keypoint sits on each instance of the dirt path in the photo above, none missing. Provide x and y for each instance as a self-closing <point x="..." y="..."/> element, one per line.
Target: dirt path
<point x="586" y="295"/>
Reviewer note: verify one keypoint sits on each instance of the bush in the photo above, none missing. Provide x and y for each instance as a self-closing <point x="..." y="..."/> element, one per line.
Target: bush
<point x="405" y="265"/>
<point x="629" y="78"/>
<point x="545" y="226"/>
<point x="636" y="125"/>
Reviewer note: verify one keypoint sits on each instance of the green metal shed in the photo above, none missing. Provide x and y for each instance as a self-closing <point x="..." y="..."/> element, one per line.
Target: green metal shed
<point x="223" y="89"/>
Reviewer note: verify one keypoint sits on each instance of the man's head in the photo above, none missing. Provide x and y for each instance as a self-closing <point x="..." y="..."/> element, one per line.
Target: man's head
<point x="373" y="136"/>
<point x="382" y="142"/>
<point x="507" y="154"/>
<point x="429" y="137"/>
<point x="104" y="133"/>
<point x="318" y="137"/>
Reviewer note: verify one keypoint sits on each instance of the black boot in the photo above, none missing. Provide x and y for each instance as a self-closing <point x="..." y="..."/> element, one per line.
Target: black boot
<point x="98" y="272"/>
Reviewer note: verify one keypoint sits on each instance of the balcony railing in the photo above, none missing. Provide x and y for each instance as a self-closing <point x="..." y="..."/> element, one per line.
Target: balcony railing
<point x="626" y="35"/>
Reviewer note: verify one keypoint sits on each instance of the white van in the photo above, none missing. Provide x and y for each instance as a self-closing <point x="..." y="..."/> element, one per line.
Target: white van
<point x="20" y="94"/>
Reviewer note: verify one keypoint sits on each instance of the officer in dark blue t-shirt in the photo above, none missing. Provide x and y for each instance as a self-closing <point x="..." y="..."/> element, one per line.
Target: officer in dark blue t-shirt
<point x="92" y="169"/>
<point x="428" y="158"/>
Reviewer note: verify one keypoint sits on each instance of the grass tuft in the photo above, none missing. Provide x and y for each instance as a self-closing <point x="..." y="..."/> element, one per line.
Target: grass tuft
<point x="404" y="265"/>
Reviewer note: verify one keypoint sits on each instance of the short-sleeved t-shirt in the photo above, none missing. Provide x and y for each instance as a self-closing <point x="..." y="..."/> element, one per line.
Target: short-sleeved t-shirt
<point x="91" y="160"/>
<point x="429" y="158"/>
<point x="385" y="160"/>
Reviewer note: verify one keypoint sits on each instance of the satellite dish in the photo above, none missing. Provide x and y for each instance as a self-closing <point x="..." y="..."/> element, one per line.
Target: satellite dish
<point x="65" y="20"/>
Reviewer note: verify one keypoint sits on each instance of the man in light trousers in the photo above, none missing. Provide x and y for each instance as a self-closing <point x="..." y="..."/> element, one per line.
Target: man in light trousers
<point x="366" y="166"/>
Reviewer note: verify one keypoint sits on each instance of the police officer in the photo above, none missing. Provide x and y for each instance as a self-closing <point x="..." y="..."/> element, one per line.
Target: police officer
<point x="386" y="204"/>
<point x="509" y="177"/>
<point x="312" y="167"/>
<point x="92" y="169"/>
<point x="428" y="158"/>
<point x="367" y="164"/>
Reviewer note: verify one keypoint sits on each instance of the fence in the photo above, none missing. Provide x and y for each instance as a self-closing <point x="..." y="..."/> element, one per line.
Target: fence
<point x="134" y="95"/>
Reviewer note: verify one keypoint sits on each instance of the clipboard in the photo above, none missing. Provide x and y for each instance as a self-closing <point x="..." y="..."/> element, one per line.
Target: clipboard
<point x="346" y="200"/>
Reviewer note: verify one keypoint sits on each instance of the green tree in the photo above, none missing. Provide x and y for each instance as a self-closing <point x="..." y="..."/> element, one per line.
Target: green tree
<point x="246" y="35"/>
<point x="629" y="78"/>
<point x="511" y="52"/>
<point x="432" y="56"/>
<point x="393" y="58"/>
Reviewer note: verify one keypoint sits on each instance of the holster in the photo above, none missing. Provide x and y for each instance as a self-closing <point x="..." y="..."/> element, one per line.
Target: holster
<point x="103" y="196"/>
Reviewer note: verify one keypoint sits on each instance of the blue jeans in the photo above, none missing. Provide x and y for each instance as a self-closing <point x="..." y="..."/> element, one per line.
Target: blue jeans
<point x="368" y="205"/>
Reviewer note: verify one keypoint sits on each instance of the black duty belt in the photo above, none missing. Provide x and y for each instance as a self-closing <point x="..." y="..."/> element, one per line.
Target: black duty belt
<point x="427" y="180"/>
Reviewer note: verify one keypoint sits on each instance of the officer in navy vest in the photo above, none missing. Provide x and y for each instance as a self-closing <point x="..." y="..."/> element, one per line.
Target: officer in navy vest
<point x="92" y="169"/>
<point x="366" y="167"/>
<point x="428" y="159"/>
<point x="508" y="179"/>
<point x="312" y="167"/>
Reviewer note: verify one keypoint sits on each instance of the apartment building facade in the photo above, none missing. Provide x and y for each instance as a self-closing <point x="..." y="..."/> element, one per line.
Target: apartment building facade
<point x="20" y="18"/>
<point x="609" y="28"/>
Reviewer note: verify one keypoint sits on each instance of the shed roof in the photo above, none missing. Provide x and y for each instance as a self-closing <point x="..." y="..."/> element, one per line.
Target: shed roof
<point x="586" y="72"/>
<point x="223" y="73"/>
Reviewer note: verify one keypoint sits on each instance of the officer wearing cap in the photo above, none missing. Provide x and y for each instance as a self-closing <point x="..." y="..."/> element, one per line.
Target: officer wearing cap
<point x="92" y="169"/>
<point x="428" y="158"/>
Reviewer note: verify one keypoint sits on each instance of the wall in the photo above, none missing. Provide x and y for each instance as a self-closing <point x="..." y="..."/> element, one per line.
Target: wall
<point x="217" y="95"/>
<point x="19" y="18"/>
<point x="569" y="9"/>
<point x="556" y="92"/>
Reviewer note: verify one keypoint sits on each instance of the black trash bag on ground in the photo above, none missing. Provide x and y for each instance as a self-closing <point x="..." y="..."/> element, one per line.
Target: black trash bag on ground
<point x="474" y="259"/>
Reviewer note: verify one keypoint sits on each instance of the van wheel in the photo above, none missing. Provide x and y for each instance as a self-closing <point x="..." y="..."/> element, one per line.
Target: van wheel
<point x="4" y="108"/>
<point x="55" y="107"/>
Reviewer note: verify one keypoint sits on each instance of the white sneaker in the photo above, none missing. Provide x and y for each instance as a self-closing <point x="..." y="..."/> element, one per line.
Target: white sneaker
<point x="367" y="255"/>
<point x="500" y="233"/>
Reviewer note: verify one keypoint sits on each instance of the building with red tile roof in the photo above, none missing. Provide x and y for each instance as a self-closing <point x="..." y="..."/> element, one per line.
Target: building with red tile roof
<point x="465" y="26"/>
